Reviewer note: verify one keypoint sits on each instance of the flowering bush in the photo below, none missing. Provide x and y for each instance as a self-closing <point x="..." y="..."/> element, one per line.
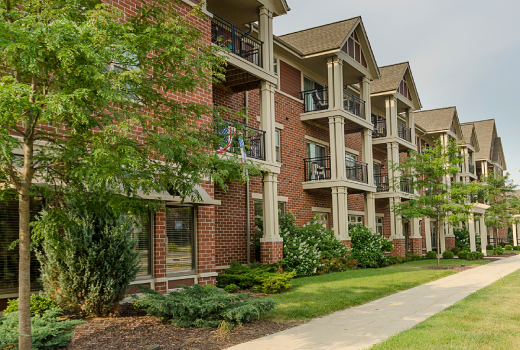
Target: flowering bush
<point x="368" y="248"/>
<point x="303" y="248"/>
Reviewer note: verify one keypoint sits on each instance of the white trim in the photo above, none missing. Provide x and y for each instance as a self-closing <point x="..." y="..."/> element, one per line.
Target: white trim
<point x="176" y="278"/>
<point x="352" y="151"/>
<point x="278" y="126"/>
<point x="283" y="199"/>
<point x="355" y="212"/>
<point x="321" y="210"/>
<point x="257" y="196"/>
<point x="223" y="267"/>
<point x="260" y="196"/>
<point x="380" y="215"/>
<point x="315" y="140"/>
<point x="143" y="281"/>
<point x="376" y="161"/>
<point x="207" y="274"/>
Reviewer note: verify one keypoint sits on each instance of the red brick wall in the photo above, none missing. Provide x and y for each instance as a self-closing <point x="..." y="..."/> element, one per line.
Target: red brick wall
<point x="160" y="249"/>
<point x="290" y="79"/>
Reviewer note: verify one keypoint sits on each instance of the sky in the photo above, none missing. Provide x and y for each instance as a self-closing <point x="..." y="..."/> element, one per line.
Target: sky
<point x="463" y="53"/>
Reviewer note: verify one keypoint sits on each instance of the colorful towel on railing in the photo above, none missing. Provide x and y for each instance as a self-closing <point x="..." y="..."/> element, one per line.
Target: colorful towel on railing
<point x="227" y="134"/>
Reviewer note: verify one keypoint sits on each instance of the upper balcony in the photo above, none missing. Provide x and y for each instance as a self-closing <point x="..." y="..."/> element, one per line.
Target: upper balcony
<point x="383" y="186"/>
<point x="238" y="138"/>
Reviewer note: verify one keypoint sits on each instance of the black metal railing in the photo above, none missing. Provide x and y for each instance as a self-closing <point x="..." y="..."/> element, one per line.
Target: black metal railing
<point x="381" y="182"/>
<point x="471" y="168"/>
<point x="379" y="128"/>
<point x="317" y="168"/>
<point x="236" y="40"/>
<point x="353" y="104"/>
<point x="404" y="132"/>
<point x="315" y="100"/>
<point x="356" y="171"/>
<point x="235" y="136"/>
<point x="406" y="185"/>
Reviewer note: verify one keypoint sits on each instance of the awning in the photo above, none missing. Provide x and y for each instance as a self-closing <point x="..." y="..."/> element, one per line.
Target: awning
<point x="479" y="208"/>
<point x="169" y="199"/>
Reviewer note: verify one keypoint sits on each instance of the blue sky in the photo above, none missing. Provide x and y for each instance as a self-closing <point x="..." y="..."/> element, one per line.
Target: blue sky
<point x="463" y="53"/>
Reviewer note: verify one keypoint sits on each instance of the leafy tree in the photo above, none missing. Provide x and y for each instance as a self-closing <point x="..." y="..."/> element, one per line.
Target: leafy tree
<point x="499" y="193"/>
<point x="429" y="173"/>
<point x="86" y="101"/>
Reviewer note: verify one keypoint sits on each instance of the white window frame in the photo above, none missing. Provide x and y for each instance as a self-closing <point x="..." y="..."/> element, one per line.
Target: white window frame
<point x="317" y="215"/>
<point x="355" y="219"/>
<point x="277" y="145"/>
<point x="379" y="224"/>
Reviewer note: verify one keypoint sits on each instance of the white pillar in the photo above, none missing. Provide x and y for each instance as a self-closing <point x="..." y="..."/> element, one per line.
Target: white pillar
<point x="392" y="218"/>
<point x="411" y="124"/>
<point x="466" y="159"/>
<point x="391" y="116"/>
<point x="416" y="228"/>
<point x="270" y="210"/>
<point x="397" y="173"/>
<point x="515" y="242"/>
<point x="267" y="122"/>
<point x="398" y="220"/>
<point x="471" y="227"/>
<point x="365" y="96"/>
<point x="265" y="34"/>
<point x="370" y="211"/>
<point x="366" y="150"/>
<point x="483" y="234"/>
<point x="442" y="248"/>
<point x="389" y="167"/>
<point x="339" y="212"/>
<point x="335" y="80"/>
<point x="337" y="147"/>
<point x="428" y="234"/>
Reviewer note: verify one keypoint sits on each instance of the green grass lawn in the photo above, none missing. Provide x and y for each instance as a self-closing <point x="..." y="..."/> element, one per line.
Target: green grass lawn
<point x="487" y="319"/>
<point x="321" y="295"/>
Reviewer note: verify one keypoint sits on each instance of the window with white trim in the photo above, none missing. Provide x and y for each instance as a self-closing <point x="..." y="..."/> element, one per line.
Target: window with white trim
<point x="276" y="65"/>
<point x="355" y="219"/>
<point x="277" y="149"/>
<point x="322" y="218"/>
<point x="379" y="226"/>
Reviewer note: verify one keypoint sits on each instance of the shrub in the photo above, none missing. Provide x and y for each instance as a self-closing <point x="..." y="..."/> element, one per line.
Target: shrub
<point x="368" y="248"/>
<point x="461" y="237"/>
<point x="434" y="250"/>
<point x="471" y="256"/>
<point x="276" y="283"/>
<point x="480" y="255"/>
<point x="200" y="306"/>
<point x="413" y="257"/>
<point x="455" y="250"/>
<point x="231" y="288"/>
<point x="88" y="258"/>
<point x="489" y="247"/>
<point x="479" y="249"/>
<point x="462" y="254"/>
<point x="447" y="254"/>
<point x="508" y="247"/>
<point x="39" y="304"/>
<point x="498" y="250"/>
<point x="337" y="265"/>
<point x="431" y="255"/>
<point x="517" y="247"/>
<point x="394" y="260"/>
<point x="48" y="331"/>
<point x="303" y="248"/>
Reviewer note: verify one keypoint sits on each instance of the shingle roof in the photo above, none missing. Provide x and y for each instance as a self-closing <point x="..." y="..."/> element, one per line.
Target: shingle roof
<point x="322" y="38"/>
<point x="467" y="130"/>
<point x="484" y="130"/>
<point x="496" y="149"/>
<point x="390" y="78"/>
<point x="435" y="119"/>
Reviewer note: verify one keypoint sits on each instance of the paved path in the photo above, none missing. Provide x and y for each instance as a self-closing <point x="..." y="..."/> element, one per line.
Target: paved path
<point x="363" y="326"/>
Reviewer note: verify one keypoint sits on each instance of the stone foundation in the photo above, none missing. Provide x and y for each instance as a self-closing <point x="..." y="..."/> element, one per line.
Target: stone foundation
<point x="271" y="252"/>
<point x="398" y="247"/>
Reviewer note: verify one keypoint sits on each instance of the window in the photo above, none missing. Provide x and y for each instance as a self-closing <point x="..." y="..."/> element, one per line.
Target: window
<point x="275" y="69"/>
<point x="277" y="145"/>
<point x="355" y="220"/>
<point x="379" y="226"/>
<point x="403" y="89"/>
<point x="323" y="219"/>
<point x="351" y="165"/>
<point x="281" y="208"/>
<point x="433" y="231"/>
<point x="9" y="259"/>
<point x="143" y="235"/>
<point x="317" y="100"/>
<point x="317" y="165"/>
<point x="259" y="210"/>
<point x="180" y="234"/>
<point x="353" y="49"/>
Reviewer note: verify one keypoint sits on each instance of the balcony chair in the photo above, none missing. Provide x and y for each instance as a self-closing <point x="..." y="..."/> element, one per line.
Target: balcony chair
<point x="319" y="103"/>
<point x="317" y="172"/>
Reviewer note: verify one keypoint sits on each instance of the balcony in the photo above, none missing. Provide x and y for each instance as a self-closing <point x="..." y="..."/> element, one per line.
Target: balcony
<point x="353" y="104"/>
<point x="381" y="182"/>
<point x="471" y="168"/>
<point x="406" y="185"/>
<point x="236" y="137"/>
<point x="315" y="100"/>
<point x="404" y="132"/>
<point x="357" y="171"/>
<point x="240" y="43"/>
<point x="379" y="128"/>
<point x="317" y="168"/>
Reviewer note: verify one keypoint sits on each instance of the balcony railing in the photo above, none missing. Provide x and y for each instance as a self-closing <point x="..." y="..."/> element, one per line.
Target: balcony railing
<point x="315" y="100"/>
<point x="317" y="168"/>
<point x="471" y="168"/>
<point x="236" y="40"/>
<point x="356" y="171"/>
<point x="234" y="136"/>
<point x="353" y="104"/>
<point x="404" y="132"/>
<point x="381" y="182"/>
<point x="406" y="185"/>
<point x="379" y="128"/>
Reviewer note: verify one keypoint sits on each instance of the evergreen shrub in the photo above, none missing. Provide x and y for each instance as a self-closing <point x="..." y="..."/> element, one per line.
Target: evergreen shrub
<point x="200" y="306"/>
<point x="232" y="288"/>
<point x="455" y="250"/>
<point x="276" y="283"/>
<point x="431" y="255"/>
<point x="39" y="304"/>
<point x="368" y="248"/>
<point x="447" y="254"/>
<point x="413" y="257"/>
<point x="395" y="260"/>
<point x="337" y="265"/>
<point x="489" y="247"/>
<point x="517" y="247"/>
<point x="508" y="247"/>
<point x="256" y="277"/>
<point x="462" y="254"/>
<point x="49" y="331"/>
<point x="303" y="248"/>
<point x="88" y="258"/>
<point x="498" y="250"/>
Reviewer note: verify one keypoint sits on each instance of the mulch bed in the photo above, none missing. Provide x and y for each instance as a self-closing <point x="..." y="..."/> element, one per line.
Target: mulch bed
<point x="133" y="330"/>
<point x="454" y="268"/>
<point x="505" y="255"/>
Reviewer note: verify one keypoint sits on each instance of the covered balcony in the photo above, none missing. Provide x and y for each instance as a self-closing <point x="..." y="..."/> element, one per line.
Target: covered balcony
<point x="238" y="138"/>
<point x="318" y="170"/>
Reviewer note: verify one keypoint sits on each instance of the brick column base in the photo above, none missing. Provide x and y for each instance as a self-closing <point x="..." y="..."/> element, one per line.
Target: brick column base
<point x="271" y="252"/>
<point x="207" y="281"/>
<point x="346" y="242"/>
<point x="450" y="242"/>
<point x="416" y="245"/>
<point x="398" y="247"/>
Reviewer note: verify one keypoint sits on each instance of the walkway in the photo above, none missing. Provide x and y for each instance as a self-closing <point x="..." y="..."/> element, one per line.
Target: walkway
<point x="363" y="326"/>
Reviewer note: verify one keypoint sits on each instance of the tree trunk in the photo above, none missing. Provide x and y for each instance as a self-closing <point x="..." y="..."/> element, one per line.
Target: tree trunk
<point x="439" y="243"/>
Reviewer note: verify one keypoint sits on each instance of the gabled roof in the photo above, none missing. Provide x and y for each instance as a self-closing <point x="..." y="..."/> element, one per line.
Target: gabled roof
<point x="391" y="77"/>
<point x="322" y="38"/>
<point x="468" y="131"/>
<point x="485" y="130"/>
<point x="439" y="120"/>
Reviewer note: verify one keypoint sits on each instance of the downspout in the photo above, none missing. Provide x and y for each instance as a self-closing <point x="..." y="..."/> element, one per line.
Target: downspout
<point x="248" y="209"/>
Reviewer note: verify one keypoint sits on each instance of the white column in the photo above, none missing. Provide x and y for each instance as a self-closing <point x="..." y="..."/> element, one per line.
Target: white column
<point x="471" y="227"/>
<point x="515" y="241"/>
<point x="337" y="147"/>
<point x="267" y="122"/>
<point x="466" y="159"/>
<point x="443" y="238"/>
<point x="397" y="173"/>
<point x="483" y="234"/>
<point x="484" y="168"/>
<point x="391" y="116"/>
<point x="366" y="150"/>
<point x="335" y="80"/>
<point x="416" y="228"/>
<point x="392" y="218"/>
<point x="398" y="220"/>
<point x="265" y="34"/>
<point x="339" y="215"/>
<point x="389" y="161"/>
<point x="428" y="234"/>
<point x="270" y="210"/>
<point x="411" y="124"/>
<point x="365" y="96"/>
<point x="370" y="211"/>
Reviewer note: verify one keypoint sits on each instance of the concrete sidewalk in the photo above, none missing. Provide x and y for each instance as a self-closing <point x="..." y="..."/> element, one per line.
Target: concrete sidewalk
<point x="363" y="326"/>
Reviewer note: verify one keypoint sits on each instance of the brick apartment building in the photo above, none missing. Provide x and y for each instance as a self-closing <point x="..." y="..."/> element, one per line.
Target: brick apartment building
<point x="325" y="123"/>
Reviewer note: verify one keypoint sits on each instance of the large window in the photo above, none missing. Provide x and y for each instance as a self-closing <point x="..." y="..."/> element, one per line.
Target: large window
<point x="9" y="259"/>
<point x="351" y="166"/>
<point x="317" y="163"/>
<point x="314" y="100"/>
<point x="323" y="219"/>
<point x="353" y="49"/>
<point x="433" y="230"/>
<point x="379" y="226"/>
<point x="180" y="234"/>
<point x="355" y="220"/>
<point x="143" y="235"/>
